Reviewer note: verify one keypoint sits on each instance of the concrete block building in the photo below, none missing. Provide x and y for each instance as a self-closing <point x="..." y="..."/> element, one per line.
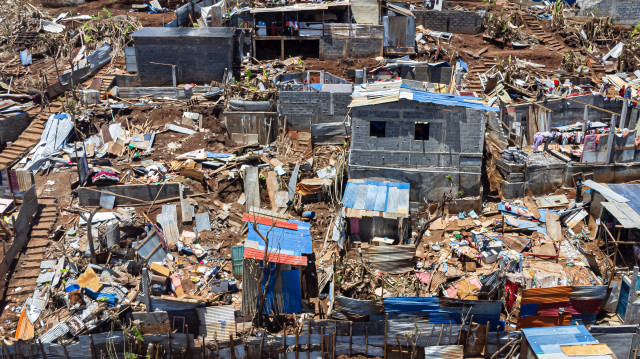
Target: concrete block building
<point x="199" y="55"/>
<point x="429" y="140"/>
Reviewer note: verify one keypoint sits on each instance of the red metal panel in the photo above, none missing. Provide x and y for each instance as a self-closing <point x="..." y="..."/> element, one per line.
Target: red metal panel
<point x="269" y="222"/>
<point x="258" y="254"/>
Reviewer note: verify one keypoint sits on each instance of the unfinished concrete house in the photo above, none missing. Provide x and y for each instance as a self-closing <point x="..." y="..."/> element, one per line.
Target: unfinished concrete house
<point x="316" y="102"/>
<point x="204" y="55"/>
<point x="429" y="140"/>
<point x="322" y="31"/>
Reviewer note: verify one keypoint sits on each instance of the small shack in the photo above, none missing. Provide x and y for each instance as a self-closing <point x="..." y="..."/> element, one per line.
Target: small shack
<point x="377" y="211"/>
<point x="168" y="55"/>
<point x="289" y="274"/>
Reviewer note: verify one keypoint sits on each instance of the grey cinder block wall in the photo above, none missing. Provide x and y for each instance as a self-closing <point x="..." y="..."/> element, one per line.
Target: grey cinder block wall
<point x="454" y="147"/>
<point x="303" y="108"/>
<point x="200" y="54"/>
<point x="12" y="126"/>
<point x="623" y="12"/>
<point x="457" y="22"/>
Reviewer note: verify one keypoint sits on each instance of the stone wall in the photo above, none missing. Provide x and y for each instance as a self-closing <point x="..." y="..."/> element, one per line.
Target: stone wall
<point x="457" y="22"/>
<point x="454" y="147"/>
<point x="304" y="108"/>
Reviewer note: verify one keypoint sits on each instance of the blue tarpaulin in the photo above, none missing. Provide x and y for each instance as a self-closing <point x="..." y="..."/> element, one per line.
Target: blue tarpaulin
<point x="25" y="57"/>
<point x="463" y="64"/>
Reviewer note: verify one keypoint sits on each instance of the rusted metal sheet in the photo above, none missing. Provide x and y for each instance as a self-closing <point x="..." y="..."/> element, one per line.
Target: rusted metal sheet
<point x="217" y="322"/>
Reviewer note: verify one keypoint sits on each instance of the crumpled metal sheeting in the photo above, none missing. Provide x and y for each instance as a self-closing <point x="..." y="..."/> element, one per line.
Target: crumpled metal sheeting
<point x="56" y="130"/>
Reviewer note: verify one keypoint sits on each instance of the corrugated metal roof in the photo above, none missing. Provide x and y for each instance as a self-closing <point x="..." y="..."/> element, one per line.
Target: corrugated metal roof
<point x="217" y="322"/>
<point x="287" y="245"/>
<point x="627" y="217"/>
<point x="630" y="191"/>
<point x="365" y="95"/>
<point x="446" y="310"/>
<point x="388" y="197"/>
<point x="444" y="351"/>
<point x="300" y="7"/>
<point x="586" y="292"/>
<point x="164" y="32"/>
<point x="358" y="306"/>
<point x="546" y="342"/>
<point x="395" y="259"/>
<point x="604" y="190"/>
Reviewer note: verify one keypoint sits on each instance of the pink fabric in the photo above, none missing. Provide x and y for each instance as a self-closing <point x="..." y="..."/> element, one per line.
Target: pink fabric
<point x="452" y="291"/>
<point x="355" y="225"/>
<point x="424" y="277"/>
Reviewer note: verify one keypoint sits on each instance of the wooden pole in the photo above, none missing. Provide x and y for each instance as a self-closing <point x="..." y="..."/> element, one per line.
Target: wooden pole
<point x="322" y="342"/>
<point x="204" y="348"/>
<point x="430" y="334"/>
<point x="5" y="351"/>
<point x="366" y="340"/>
<point x="186" y="329"/>
<point x="232" y="347"/>
<point x="262" y="342"/>
<point x="335" y="343"/>
<point x="440" y="336"/>
<point x="93" y="348"/>
<point x="450" y="330"/>
<point x="297" y="335"/>
<point x="350" y="338"/>
<point x="170" y="345"/>
<point x="308" y="340"/>
<point x="486" y="341"/>
<point x="386" y="332"/>
<point x="44" y="355"/>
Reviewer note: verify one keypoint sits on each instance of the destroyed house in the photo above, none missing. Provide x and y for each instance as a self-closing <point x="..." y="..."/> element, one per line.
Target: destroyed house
<point x="429" y="140"/>
<point x="286" y="273"/>
<point x="315" y="99"/>
<point x="174" y="55"/>
<point x="323" y="31"/>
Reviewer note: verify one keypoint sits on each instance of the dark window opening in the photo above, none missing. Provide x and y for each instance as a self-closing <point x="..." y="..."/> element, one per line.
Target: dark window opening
<point x="377" y="128"/>
<point x="422" y="131"/>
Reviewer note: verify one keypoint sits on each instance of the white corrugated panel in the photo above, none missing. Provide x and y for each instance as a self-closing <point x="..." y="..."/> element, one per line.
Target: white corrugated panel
<point x="217" y="322"/>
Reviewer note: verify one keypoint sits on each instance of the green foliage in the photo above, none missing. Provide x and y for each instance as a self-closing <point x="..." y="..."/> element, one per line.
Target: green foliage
<point x="635" y="30"/>
<point x="137" y="333"/>
<point x="107" y="13"/>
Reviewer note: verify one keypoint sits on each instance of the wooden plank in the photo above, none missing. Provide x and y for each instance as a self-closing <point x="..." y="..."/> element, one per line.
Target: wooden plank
<point x="272" y="187"/>
<point x="251" y="189"/>
<point x="515" y="242"/>
<point x="554" y="230"/>
<point x="586" y="350"/>
<point x="186" y="208"/>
